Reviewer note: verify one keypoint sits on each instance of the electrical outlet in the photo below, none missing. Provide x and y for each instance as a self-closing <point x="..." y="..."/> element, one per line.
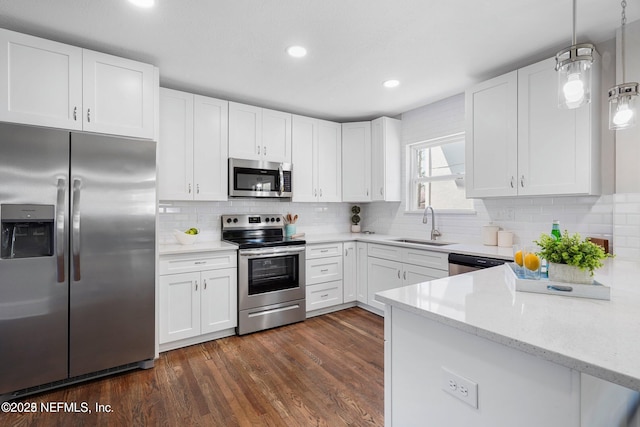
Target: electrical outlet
<point x="460" y="387"/>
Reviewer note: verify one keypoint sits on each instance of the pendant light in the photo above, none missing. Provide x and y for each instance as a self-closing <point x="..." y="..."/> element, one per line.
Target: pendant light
<point x="573" y="65"/>
<point x="622" y="98"/>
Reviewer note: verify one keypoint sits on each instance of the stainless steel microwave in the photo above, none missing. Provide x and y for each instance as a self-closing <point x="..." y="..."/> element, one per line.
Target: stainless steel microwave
<point x="257" y="178"/>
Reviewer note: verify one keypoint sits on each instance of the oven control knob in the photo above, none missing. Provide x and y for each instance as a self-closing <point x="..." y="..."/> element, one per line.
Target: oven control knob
<point x="277" y="219"/>
<point x="273" y="220"/>
<point x="266" y="220"/>
<point x="228" y="220"/>
<point x="235" y="220"/>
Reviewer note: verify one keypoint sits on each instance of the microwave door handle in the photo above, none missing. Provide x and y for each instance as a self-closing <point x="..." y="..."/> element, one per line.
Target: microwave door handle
<point x="281" y="175"/>
<point x="60" y="207"/>
<point x="77" y="184"/>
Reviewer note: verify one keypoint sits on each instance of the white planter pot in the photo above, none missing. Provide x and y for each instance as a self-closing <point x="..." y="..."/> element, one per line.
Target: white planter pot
<point x="355" y="228"/>
<point x="569" y="273"/>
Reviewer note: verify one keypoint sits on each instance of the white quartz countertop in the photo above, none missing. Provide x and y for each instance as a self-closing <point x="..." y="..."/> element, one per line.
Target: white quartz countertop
<point x="459" y="248"/>
<point x="596" y="337"/>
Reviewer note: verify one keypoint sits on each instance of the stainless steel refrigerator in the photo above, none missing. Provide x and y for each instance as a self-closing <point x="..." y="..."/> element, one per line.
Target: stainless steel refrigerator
<point x="77" y="255"/>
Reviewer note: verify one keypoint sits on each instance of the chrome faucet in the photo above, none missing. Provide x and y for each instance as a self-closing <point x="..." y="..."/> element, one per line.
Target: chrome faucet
<point x="434" y="232"/>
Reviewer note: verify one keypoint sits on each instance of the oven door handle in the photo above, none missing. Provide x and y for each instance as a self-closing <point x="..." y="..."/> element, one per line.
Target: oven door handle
<point x="271" y="251"/>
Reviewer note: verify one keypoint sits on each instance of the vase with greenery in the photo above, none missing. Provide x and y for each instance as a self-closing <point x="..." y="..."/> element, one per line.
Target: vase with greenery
<point x="355" y="219"/>
<point x="571" y="259"/>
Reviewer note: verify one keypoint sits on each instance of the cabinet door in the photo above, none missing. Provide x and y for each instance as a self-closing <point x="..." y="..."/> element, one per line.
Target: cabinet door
<point x="356" y="162"/>
<point x="118" y="95"/>
<point x="413" y="274"/>
<point x="349" y="277"/>
<point x="491" y="137"/>
<point x="304" y="159"/>
<point x="179" y="306"/>
<point x="385" y="159"/>
<point x="40" y="81"/>
<point x="276" y="136"/>
<point x="551" y="158"/>
<point x="219" y="299"/>
<point x="383" y="275"/>
<point x="175" y="146"/>
<point x="245" y="131"/>
<point x="329" y="154"/>
<point x="210" y="148"/>
<point x="362" y="272"/>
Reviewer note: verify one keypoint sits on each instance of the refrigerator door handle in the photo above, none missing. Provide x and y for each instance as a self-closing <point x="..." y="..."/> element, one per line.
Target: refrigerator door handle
<point x="62" y="191"/>
<point x="77" y="184"/>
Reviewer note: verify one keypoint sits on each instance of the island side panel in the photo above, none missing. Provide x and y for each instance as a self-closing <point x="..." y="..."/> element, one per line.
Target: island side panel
<point x="514" y="388"/>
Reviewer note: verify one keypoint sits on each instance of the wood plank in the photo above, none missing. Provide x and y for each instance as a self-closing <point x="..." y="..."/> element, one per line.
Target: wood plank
<point x="326" y="371"/>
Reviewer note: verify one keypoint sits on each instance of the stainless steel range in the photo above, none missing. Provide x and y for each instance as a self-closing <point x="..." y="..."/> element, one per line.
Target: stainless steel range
<point x="271" y="272"/>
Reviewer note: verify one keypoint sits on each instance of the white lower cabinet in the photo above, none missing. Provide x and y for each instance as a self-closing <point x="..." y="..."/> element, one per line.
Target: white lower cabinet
<point x="197" y="298"/>
<point x="362" y="284"/>
<point x="324" y="273"/>
<point x="390" y="267"/>
<point x="350" y="272"/>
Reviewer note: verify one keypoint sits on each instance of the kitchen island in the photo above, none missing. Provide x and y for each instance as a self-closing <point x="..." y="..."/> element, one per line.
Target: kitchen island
<point x="536" y="359"/>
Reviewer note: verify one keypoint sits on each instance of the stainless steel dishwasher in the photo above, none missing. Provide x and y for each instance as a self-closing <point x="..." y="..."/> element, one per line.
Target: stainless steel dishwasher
<point x="460" y="263"/>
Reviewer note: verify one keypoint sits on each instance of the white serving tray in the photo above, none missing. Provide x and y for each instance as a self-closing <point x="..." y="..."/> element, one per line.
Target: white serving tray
<point x="545" y="286"/>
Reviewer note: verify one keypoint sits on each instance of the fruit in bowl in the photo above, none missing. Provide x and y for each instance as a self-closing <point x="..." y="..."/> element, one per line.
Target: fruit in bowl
<point x="187" y="237"/>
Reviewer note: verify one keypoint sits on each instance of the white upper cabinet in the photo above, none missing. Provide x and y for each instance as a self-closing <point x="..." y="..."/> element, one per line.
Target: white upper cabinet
<point x="118" y="95"/>
<point x="356" y="162"/>
<point x="41" y="81"/>
<point x="46" y="83"/>
<point x="558" y="149"/>
<point x="385" y="160"/>
<point x="518" y="142"/>
<point x="316" y="160"/>
<point x="259" y="134"/>
<point x="192" y="147"/>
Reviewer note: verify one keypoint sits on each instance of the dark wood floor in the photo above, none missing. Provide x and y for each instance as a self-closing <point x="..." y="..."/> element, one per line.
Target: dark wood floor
<point x="326" y="371"/>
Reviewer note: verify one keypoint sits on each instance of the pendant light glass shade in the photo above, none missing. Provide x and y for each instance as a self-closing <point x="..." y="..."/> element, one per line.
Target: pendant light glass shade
<point x="622" y="106"/>
<point x="622" y="98"/>
<point x="573" y="65"/>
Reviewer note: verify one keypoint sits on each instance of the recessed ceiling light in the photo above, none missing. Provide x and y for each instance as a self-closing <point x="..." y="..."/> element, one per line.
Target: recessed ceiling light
<point x="391" y="83"/>
<point x="296" y="51"/>
<point x="143" y="3"/>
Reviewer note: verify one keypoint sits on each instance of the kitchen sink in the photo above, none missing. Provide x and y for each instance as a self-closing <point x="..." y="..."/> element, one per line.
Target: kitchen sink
<point x="422" y="242"/>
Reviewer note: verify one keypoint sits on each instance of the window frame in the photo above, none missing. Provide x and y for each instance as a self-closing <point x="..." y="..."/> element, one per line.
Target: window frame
<point x="411" y="176"/>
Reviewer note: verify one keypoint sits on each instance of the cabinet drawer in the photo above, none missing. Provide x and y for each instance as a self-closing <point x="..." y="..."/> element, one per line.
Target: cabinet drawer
<point x="438" y="260"/>
<point x="324" y="250"/>
<point x="324" y="295"/>
<point x="172" y="264"/>
<point x="324" y="270"/>
<point x="393" y="253"/>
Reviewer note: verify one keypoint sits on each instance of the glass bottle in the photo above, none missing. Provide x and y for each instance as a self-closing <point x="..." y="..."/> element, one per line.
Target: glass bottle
<point x="555" y="230"/>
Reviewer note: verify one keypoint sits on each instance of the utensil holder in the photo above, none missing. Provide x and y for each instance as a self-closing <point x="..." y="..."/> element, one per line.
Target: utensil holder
<point x="289" y="230"/>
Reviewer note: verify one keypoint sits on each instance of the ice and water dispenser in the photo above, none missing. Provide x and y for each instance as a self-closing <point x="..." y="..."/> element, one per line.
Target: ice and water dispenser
<point x="27" y="231"/>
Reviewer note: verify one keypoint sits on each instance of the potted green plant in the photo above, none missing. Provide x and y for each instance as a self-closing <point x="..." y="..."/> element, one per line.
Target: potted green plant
<point x="355" y="219"/>
<point x="571" y="259"/>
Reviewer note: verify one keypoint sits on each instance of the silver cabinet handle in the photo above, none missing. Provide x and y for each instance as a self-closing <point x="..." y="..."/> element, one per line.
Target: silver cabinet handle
<point x="522" y="181"/>
<point x="88" y="115"/>
<point x="324" y="295"/>
<point x="264" y="150"/>
<point x="189" y="188"/>
<point x="205" y="284"/>
<point x="315" y="192"/>
<point x="381" y="191"/>
<point x="398" y="274"/>
<point x="60" y="218"/>
<point x="75" y="113"/>
<point x="367" y="191"/>
<point x="258" y="149"/>
<point x="75" y="235"/>
<point x="324" y="270"/>
<point x="512" y="181"/>
<point x="346" y="252"/>
<point x="196" y="285"/>
<point x="321" y="192"/>
<point x="198" y="188"/>
<point x="404" y="275"/>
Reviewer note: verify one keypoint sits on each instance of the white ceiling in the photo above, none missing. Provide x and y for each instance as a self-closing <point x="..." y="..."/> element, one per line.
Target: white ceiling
<point x="235" y="49"/>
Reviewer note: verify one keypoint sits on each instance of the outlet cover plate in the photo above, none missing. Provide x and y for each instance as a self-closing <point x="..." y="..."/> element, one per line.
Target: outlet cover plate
<point x="460" y="387"/>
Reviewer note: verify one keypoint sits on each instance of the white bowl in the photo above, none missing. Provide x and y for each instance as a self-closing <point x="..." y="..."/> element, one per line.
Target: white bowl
<point x="184" y="238"/>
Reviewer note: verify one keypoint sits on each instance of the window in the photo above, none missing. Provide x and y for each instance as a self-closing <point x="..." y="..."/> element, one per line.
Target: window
<point x="437" y="174"/>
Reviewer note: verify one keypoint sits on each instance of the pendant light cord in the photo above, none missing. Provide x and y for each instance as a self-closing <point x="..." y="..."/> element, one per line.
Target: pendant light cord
<point x="573" y="40"/>
<point x="624" y="21"/>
